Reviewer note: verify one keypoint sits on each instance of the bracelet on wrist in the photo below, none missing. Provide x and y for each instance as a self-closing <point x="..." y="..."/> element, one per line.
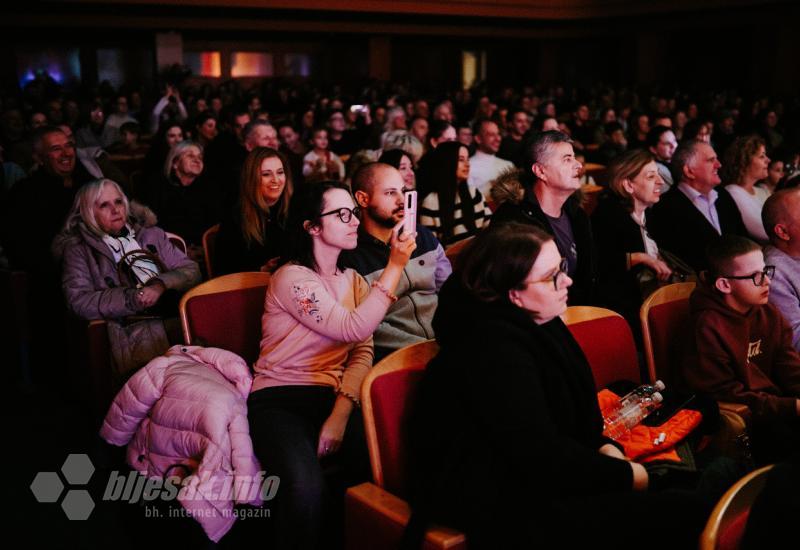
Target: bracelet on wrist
<point x="379" y="286"/>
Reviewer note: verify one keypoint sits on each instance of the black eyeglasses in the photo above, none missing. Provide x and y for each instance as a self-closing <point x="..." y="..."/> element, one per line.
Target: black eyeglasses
<point x="757" y="277"/>
<point x="562" y="270"/>
<point x="345" y="214"/>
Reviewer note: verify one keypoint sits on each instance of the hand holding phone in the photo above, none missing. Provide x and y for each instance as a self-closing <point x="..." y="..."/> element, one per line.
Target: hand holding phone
<point x="409" y="212"/>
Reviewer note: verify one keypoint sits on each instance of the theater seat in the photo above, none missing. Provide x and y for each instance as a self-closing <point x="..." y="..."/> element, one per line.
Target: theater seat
<point x="607" y="341"/>
<point x="666" y="325"/>
<point x="225" y="312"/>
<point x="375" y="513"/>
<point x="210" y="248"/>
<point x="726" y="525"/>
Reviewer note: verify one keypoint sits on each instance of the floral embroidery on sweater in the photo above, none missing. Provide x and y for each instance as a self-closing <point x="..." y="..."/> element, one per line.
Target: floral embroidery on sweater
<point x="306" y="302"/>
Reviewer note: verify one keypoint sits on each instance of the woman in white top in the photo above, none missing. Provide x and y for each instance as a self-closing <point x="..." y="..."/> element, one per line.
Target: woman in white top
<point x="745" y="164"/>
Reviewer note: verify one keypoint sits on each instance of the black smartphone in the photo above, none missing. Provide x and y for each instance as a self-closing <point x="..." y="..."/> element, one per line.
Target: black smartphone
<point x="671" y="405"/>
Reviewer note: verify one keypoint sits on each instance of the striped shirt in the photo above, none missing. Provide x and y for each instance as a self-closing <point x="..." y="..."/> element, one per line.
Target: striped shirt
<point x="430" y="217"/>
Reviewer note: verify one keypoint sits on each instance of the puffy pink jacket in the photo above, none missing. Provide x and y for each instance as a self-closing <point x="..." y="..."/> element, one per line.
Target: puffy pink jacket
<point x="189" y="407"/>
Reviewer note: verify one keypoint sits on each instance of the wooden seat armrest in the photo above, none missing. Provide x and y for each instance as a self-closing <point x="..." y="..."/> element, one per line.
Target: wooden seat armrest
<point x="396" y="510"/>
<point x="736" y="408"/>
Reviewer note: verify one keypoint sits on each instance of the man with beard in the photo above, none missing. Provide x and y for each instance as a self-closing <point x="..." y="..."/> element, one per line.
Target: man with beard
<point x="378" y="189"/>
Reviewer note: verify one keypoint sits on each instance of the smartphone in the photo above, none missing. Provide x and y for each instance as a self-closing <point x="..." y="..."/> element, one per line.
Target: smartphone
<point x="357" y="108"/>
<point x="409" y="212"/>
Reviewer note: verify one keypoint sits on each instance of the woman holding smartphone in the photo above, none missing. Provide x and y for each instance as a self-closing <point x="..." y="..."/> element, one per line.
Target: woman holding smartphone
<point x="317" y="347"/>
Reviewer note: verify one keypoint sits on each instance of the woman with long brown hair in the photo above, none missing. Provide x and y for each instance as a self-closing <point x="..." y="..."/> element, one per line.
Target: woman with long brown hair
<point x="252" y="237"/>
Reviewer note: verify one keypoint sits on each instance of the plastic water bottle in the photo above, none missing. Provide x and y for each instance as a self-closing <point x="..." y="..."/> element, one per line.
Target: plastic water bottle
<point x="642" y="391"/>
<point x="620" y="421"/>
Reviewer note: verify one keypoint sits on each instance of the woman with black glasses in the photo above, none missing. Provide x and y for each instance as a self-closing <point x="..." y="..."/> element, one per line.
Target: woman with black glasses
<point x="506" y="437"/>
<point x="315" y="351"/>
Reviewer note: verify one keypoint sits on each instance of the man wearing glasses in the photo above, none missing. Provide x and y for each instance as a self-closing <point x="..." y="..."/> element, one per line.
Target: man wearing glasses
<point x="742" y="347"/>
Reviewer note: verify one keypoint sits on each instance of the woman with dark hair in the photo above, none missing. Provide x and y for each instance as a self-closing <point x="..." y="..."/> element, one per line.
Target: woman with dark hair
<point x="402" y="161"/>
<point x="205" y="127"/>
<point x="745" y="164"/>
<point x="625" y="249"/>
<point x="315" y="351"/>
<point x="253" y="236"/>
<point x="169" y="134"/>
<point x="440" y="131"/>
<point x="506" y="435"/>
<point x="452" y="209"/>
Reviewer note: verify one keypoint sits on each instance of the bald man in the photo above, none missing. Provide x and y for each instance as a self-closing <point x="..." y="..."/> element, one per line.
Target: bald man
<point x="378" y="189"/>
<point x="781" y="217"/>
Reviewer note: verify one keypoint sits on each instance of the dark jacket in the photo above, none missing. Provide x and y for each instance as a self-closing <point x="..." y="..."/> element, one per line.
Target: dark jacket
<point x="742" y="358"/>
<point x="187" y="210"/>
<point x="408" y="320"/>
<point x="33" y="215"/>
<point x="234" y="254"/>
<point x="677" y="225"/>
<point x="506" y="414"/>
<point x="527" y="210"/>
<point x="616" y="235"/>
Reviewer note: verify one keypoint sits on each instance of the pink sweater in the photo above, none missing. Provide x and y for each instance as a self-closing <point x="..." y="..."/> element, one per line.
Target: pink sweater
<point x="317" y="330"/>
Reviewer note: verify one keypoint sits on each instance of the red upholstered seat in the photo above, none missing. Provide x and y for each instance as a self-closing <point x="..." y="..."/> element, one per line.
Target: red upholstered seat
<point x="607" y="341"/>
<point x="226" y="313"/>
<point x="391" y="395"/>
<point x="726" y="525"/>
<point x="375" y="513"/>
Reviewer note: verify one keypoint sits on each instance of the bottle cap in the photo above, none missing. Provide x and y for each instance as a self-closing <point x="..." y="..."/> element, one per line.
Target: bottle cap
<point x="657" y="397"/>
<point x="659" y="385"/>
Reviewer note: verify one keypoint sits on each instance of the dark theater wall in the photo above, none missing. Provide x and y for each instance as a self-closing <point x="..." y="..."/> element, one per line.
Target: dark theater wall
<point x="747" y="44"/>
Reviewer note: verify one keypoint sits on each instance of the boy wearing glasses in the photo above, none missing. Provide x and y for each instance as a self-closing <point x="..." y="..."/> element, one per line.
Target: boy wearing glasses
<point x="742" y="348"/>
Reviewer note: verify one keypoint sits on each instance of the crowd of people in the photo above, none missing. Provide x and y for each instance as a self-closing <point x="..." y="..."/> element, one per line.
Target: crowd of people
<point x="309" y="187"/>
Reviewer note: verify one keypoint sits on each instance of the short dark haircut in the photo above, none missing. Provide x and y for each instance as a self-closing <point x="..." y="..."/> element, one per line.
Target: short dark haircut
<point x="683" y="155"/>
<point x="722" y="251"/>
<point x="539" y="145"/>
<point x="437" y="128"/>
<point x="479" y="124"/>
<point x="131" y="128"/>
<point x="364" y="178"/>
<point x="654" y="135"/>
<point x="306" y="206"/>
<point x="499" y="259"/>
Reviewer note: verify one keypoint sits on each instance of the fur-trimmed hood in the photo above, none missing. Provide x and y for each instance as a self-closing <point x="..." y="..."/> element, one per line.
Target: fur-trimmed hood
<point x="507" y="187"/>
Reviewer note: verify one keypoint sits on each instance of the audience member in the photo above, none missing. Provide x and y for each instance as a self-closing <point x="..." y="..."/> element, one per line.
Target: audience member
<point x="524" y="421"/>
<point x="118" y="264"/>
<point x="546" y="199"/>
<point x="320" y="164"/>
<point x="316" y="349"/>
<point x="781" y="218"/>
<point x="252" y="237"/>
<point x="451" y="209"/>
<point x="746" y="163"/>
<point x="662" y="143"/>
<point x="378" y="190"/>
<point x="693" y="213"/>
<point x="742" y="350"/>
<point x="401" y="160"/>
<point x="485" y="165"/>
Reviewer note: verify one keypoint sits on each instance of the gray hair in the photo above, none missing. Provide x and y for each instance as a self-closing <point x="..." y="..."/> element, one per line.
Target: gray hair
<point x="683" y="156"/>
<point x="402" y="139"/>
<point x="177" y="151"/>
<point x="392" y="114"/>
<point x="82" y="211"/>
<point x="538" y="148"/>
<point x="252" y="125"/>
